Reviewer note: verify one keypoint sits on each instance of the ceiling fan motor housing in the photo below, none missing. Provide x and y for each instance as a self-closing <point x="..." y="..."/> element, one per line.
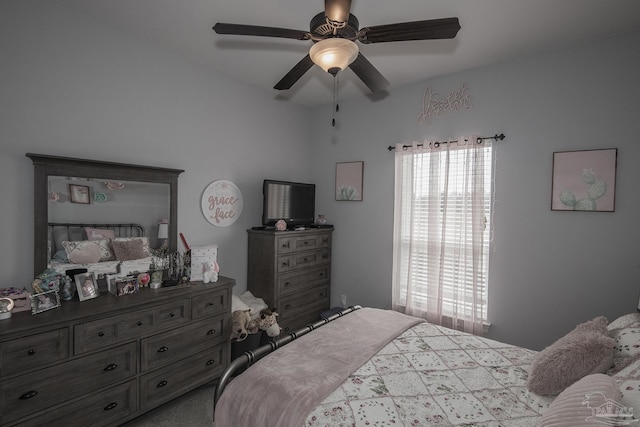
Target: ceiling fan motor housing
<point x="322" y="28"/>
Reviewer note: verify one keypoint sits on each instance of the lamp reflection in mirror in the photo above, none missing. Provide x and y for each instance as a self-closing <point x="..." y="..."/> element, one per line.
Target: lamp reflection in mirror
<point x="163" y="233"/>
<point x="334" y="54"/>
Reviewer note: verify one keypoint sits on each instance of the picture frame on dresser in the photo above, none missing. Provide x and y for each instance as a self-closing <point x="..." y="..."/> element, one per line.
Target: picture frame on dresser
<point x="87" y="286"/>
<point x="44" y="301"/>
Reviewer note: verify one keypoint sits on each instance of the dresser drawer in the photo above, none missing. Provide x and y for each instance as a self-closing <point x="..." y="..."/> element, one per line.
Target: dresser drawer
<point x="303" y="260"/>
<point x="167" y="347"/>
<point x="210" y="304"/>
<point x="302" y="302"/>
<point x="299" y="280"/>
<point x="33" y="351"/>
<point x="290" y="244"/>
<point x="164" y="384"/>
<point x="112" y="330"/>
<point x="41" y="389"/>
<point x="101" y="409"/>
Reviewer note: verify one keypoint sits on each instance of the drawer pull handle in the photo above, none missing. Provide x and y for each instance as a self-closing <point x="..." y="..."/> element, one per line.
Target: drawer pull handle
<point x="28" y="395"/>
<point x="210" y="304"/>
<point x="139" y="323"/>
<point x="171" y="314"/>
<point x="100" y="334"/>
<point x="321" y="274"/>
<point x="110" y="367"/>
<point x="306" y="259"/>
<point x="211" y="331"/>
<point x="31" y="352"/>
<point x="162" y="384"/>
<point x="111" y="406"/>
<point x="287" y="284"/>
<point x="163" y="349"/>
<point x="210" y="362"/>
<point x="287" y="307"/>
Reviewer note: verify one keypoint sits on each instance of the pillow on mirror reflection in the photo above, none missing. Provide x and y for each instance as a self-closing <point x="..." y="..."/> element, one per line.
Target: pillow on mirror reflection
<point x="86" y="253"/>
<point x="128" y="250"/>
<point x="99" y="233"/>
<point x="144" y="240"/>
<point x="103" y="245"/>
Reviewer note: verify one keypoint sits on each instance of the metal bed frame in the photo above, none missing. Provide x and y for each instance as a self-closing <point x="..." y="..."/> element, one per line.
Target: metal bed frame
<point x="250" y="357"/>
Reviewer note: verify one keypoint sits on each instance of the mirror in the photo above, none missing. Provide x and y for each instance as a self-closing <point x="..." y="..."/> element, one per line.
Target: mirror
<point x="101" y="192"/>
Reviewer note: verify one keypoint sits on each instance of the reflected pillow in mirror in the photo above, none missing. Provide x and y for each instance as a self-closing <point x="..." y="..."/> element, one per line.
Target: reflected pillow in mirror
<point x="82" y="245"/>
<point x="128" y="250"/>
<point x="84" y="252"/>
<point x="99" y="233"/>
<point x="144" y="240"/>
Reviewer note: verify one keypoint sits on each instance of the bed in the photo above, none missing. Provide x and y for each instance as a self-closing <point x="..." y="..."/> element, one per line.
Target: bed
<point x="99" y="248"/>
<point x="402" y="371"/>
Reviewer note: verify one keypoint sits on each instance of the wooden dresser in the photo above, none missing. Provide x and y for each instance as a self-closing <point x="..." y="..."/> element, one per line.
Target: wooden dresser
<point x="291" y="271"/>
<point x="107" y="360"/>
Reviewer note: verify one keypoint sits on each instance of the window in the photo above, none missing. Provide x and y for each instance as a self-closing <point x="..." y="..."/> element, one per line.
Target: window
<point x="442" y="233"/>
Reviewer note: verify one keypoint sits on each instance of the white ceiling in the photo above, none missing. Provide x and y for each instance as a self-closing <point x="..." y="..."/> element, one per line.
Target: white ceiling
<point x="492" y="31"/>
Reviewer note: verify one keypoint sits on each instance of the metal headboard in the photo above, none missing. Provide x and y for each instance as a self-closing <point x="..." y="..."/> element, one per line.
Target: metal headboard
<point x="77" y="230"/>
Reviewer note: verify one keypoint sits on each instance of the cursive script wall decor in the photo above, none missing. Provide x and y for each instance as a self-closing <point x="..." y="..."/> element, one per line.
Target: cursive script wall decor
<point x="222" y="203"/>
<point x="433" y="103"/>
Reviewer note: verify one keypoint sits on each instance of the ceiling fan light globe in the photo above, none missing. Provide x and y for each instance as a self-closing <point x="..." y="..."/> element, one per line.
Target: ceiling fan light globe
<point x="334" y="53"/>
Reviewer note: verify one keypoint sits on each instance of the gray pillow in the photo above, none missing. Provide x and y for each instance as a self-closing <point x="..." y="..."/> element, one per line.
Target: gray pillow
<point x="583" y="351"/>
<point x="128" y="250"/>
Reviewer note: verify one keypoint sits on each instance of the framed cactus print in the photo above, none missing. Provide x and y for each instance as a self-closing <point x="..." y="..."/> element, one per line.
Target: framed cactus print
<point x="584" y="180"/>
<point x="349" y="181"/>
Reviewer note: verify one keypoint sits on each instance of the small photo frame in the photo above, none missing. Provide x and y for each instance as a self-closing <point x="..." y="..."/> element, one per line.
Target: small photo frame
<point x="87" y="286"/>
<point x="584" y="180"/>
<point x="349" y="181"/>
<point x="126" y="285"/>
<point x="44" y="301"/>
<point x="79" y="194"/>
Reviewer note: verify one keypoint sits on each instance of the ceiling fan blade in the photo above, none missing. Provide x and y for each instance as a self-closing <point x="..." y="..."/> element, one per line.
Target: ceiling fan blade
<point x="255" y="30"/>
<point x="294" y="74"/>
<point x="444" y="28"/>
<point x="368" y="74"/>
<point x="337" y="10"/>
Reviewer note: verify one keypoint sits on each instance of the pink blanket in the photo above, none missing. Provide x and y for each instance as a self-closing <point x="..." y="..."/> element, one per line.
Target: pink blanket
<point x="284" y="387"/>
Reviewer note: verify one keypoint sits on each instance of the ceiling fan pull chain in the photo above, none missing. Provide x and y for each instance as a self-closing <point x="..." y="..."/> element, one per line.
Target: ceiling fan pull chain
<point x="335" y="98"/>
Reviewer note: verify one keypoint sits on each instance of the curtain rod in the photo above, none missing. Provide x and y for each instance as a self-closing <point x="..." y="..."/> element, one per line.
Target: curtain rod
<point x="437" y="143"/>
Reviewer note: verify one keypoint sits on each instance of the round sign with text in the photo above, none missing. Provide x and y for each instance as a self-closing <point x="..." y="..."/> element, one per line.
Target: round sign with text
<point x="222" y="203"/>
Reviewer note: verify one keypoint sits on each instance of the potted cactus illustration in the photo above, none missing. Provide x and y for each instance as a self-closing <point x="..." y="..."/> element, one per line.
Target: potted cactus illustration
<point x="596" y="188"/>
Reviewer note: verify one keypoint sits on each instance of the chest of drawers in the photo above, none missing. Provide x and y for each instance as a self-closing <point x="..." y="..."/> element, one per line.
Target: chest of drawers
<point x="107" y="360"/>
<point x="291" y="271"/>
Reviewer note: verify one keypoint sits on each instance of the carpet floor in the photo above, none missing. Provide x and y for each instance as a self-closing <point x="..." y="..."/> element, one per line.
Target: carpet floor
<point x="194" y="409"/>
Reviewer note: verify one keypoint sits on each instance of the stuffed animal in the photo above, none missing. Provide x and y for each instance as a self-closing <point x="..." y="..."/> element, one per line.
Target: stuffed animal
<point x="267" y="322"/>
<point x="210" y="271"/>
<point x="240" y="320"/>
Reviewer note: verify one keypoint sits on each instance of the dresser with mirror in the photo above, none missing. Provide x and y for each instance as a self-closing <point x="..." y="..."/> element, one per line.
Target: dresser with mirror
<point x="109" y="359"/>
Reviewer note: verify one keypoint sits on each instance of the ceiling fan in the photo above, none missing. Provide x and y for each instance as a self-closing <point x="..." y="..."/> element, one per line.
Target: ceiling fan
<point x="334" y="33"/>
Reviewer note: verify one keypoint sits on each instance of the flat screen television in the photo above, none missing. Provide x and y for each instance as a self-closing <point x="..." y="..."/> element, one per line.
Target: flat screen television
<point x="294" y="202"/>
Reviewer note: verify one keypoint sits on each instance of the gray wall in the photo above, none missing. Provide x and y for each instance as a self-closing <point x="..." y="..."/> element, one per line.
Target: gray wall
<point x="71" y="87"/>
<point x="549" y="270"/>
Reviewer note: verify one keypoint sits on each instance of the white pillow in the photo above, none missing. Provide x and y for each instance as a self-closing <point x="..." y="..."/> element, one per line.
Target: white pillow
<point x="577" y="404"/>
<point x="237" y="304"/>
<point x="76" y="250"/>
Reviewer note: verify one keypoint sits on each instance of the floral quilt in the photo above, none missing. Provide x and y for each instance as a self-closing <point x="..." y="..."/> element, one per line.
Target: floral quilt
<point x="434" y="376"/>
